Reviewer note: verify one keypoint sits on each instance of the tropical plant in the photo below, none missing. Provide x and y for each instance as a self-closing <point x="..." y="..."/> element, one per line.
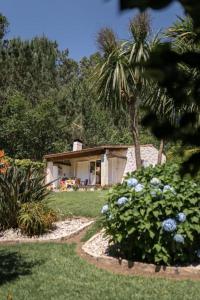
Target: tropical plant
<point x="119" y="77"/>
<point x="154" y="217"/>
<point x="35" y="218"/>
<point x="18" y="186"/>
<point x="178" y="73"/>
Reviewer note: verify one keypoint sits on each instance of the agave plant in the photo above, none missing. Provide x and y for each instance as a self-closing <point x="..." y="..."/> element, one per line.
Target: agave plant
<point x="18" y="186"/>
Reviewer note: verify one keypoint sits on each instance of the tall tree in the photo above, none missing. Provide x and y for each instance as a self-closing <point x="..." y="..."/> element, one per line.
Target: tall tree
<point x="120" y="77"/>
<point x="3" y="26"/>
<point x="34" y="68"/>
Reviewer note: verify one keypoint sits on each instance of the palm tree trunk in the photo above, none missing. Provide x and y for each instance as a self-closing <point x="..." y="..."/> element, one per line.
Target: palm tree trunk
<point x="135" y="132"/>
<point x="160" y="152"/>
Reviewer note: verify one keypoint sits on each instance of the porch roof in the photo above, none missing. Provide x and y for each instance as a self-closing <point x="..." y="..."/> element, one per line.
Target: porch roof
<point x="84" y="152"/>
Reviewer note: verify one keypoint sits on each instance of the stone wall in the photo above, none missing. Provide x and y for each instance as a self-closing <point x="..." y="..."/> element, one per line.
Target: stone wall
<point x="149" y="155"/>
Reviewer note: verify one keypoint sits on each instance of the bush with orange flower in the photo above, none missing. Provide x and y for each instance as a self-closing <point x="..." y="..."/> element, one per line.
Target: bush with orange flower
<point x="3" y="162"/>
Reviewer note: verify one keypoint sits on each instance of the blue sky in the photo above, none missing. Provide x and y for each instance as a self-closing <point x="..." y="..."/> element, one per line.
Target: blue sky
<point x="74" y="23"/>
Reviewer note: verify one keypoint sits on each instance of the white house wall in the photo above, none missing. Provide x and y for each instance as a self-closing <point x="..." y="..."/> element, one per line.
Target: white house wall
<point x="66" y="170"/>
<point x="49" y="172"/>
<point x="116" y="167"/>
<point x="82" y="170"/>
<point x="104" y="169"/>
<point x="111" y="170"/>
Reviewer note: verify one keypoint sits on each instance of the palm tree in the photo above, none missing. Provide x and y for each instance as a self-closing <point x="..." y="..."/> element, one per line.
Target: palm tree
<point x="120" y="79"/>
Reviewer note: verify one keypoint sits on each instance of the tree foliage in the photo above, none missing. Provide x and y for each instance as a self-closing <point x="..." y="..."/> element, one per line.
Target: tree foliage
<point x="3" y="26"/>
<point x="47" y="101"/>
<point x="177" y="70"/>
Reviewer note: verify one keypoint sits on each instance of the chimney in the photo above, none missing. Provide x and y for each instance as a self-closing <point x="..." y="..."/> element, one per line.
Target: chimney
<point x="77" y="145"/>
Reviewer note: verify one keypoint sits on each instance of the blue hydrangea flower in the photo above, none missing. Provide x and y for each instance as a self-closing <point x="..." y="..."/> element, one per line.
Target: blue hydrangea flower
<point x="169" y="225"/>
<point x="132" y="182"/>
<point x="155" y="193"/>
<point x="139" y="187"/>
<point x="167" y="188"/>
<point x="181" y="217"/>
<point x="198" y="253"/>
<point x="155" y="181"/>
<point x="104" y="209"/>
<point x="122" y="201"/>
<point x="179" y="238"/>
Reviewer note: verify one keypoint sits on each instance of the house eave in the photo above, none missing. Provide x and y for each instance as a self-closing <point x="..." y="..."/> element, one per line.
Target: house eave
<point x="86" y="152"/>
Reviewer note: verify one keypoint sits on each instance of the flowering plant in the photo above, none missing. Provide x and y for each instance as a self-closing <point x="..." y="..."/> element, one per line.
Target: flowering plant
<point x="154" y="216"/>
<point x="169" y="225"/>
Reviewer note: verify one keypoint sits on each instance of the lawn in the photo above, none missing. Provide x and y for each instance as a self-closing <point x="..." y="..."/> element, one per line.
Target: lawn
<point x="53" y="271"/>
<point x="87" y="204"/>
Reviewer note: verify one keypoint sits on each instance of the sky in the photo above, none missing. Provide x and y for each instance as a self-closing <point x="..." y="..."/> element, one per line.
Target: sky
<point x="75" y="23"/>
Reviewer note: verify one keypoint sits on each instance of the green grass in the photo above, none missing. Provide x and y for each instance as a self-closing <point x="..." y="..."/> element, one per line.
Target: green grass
<point x="92" y="230"/>
<point x="86" y="204"/>
<point x="54" y="271"/>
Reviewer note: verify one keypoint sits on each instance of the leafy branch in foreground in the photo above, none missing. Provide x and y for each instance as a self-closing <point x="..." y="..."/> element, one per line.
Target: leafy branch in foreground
<point x="175" y="65"/>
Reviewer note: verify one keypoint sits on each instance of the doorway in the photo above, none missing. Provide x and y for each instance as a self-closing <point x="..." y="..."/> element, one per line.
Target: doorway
<point x="95" y="172"/>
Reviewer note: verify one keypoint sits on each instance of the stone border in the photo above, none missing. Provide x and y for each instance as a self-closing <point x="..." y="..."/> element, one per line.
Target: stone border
<point x="189" y="272"/>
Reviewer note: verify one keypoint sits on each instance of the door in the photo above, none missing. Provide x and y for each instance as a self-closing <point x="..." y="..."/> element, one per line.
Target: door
<point x="98" y="172"/>
<point x="92" y="173"/>
<point x="95" y="172"/>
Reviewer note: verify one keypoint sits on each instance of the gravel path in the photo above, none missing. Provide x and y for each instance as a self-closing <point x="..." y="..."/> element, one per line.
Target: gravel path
<point x="62" y="229"/>
<point x="97" y="246"/>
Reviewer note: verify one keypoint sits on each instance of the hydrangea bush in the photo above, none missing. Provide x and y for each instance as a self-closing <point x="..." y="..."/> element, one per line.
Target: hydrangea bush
<point x="154" y="216"/>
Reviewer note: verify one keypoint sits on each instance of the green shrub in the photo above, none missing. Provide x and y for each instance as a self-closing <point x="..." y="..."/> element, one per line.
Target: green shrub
<point x="17" y="186"/>
<point x="35" y="218"/>
<point x="155" y="221"/>
<point x="27" y="163"/>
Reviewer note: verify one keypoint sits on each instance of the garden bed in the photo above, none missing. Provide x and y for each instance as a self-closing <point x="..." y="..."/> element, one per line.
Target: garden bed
<point x="98" y="248"/>
<point x="61" y="230"/>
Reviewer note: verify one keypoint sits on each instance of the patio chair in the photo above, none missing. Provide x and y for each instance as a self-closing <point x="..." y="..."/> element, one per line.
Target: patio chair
<point x="84" y="182"/>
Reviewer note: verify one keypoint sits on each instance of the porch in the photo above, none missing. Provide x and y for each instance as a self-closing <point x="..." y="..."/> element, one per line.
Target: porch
<point x="78" y="168"/>
<point x="82" y="172"/>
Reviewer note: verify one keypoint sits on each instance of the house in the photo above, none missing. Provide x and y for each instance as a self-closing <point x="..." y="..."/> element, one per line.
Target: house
<point x="101" y="165"/>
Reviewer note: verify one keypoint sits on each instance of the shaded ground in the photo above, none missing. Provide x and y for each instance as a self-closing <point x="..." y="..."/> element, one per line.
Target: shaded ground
<point x="14" y="265"/>
<point x="60" y="274"/>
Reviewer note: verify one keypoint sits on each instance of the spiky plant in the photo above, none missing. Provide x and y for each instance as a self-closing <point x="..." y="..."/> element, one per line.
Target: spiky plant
<point x="18" y="186"/>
